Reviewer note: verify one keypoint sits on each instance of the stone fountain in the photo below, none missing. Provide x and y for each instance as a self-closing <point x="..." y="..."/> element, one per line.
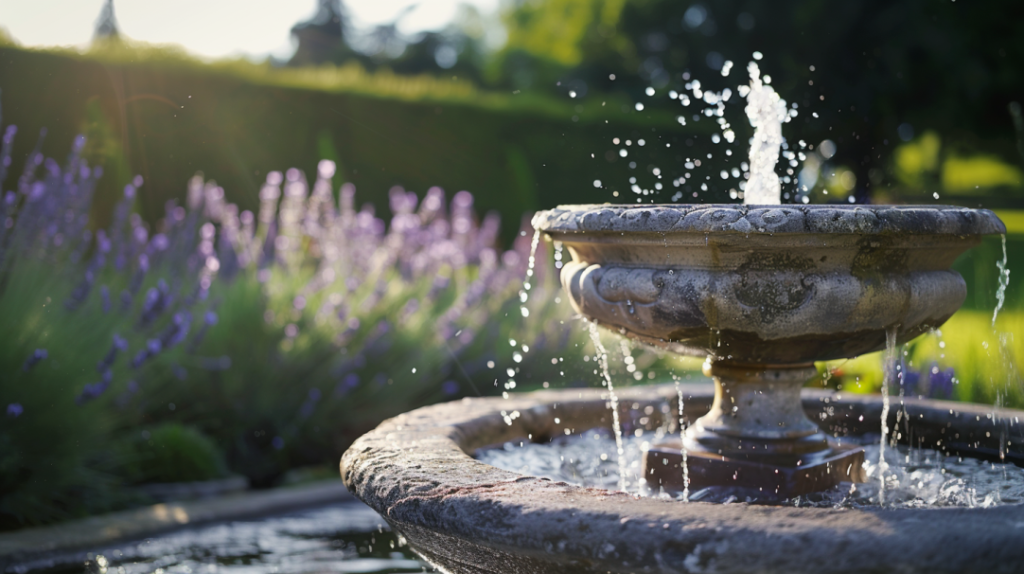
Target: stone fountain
<point x="763" y="292"/>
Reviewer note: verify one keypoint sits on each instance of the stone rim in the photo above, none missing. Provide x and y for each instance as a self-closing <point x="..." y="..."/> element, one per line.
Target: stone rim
<point x="470" y="517"/>
<point x="769" y="219"/>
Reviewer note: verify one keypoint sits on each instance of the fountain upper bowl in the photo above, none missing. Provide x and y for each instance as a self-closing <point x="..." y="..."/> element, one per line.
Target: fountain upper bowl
<point x="776" y="284"/>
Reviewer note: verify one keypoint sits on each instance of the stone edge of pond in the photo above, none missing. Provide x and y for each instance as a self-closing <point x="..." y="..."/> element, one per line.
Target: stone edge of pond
<point x="464" y="515"/>
<point x="96" y="532"/>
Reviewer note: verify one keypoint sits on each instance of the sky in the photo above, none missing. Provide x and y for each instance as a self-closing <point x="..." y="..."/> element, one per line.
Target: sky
<point x="210" y="28"/>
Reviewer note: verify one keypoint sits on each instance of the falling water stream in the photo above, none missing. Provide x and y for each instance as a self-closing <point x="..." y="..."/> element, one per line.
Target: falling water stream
<point x="889" y="370"/>
<point x="602" y="357"/>
<point x="682" y="440"/>
<point x="524" y="295"/>
<point x="1004" y="281"/>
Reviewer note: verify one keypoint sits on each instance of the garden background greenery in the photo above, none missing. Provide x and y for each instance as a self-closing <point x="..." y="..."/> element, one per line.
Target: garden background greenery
<point x="159" y="326"/>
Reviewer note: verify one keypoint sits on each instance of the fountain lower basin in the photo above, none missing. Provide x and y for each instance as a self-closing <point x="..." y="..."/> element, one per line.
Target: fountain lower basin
<point x="465" y="516"/>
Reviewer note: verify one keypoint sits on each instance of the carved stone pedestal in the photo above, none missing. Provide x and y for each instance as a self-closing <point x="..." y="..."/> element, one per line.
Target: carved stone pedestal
<point x="755" y="438"/>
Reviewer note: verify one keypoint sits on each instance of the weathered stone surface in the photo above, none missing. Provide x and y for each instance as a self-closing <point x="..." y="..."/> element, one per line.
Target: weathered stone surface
<point x="765" y="219"/>
<point x="469" y="517"/>
<point x="756" y="284"/>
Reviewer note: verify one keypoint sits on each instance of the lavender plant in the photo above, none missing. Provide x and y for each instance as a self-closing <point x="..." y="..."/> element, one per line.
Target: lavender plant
<point x="333" y="319"/>
<point x="87" y="315"/>
<point x="281" y="334"/>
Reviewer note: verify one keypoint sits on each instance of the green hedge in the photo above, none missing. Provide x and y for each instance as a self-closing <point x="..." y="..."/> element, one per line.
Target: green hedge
<point x="164" y="116"/>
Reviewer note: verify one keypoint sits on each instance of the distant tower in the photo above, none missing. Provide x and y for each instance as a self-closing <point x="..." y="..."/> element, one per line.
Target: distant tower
<point x="322" y="37"/>
<point x="106" y="24"/>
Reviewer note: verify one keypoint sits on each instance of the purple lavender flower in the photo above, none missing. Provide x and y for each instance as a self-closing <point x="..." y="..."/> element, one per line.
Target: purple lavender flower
<point x="176" y="331"/>
<point x="15" y="410"/>
<point x="34" y="358"/>
<point x="910" y="381"/>
<point x="137" y="278"/>
<point x="940" y="381"/>
<point x="105" y="298"/>
<point x="153" y="348"/>
<point x="79" y="294"/>
<point x="126" y="299"/>
<point x="155" y="301"/>
<point x="209" y="320"/>
<point x="158" y="243"/>
<point x="347" y="385"/>
<point x="94" y="390"/>
<point x="310" y="403"/>
<point x="932" y="381"/>
<point x="5" y="151"/>
<point x="119" y="344"/>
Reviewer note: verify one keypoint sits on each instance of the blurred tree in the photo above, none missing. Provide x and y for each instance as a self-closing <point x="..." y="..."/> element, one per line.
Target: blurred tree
<point x="569" y="43"/>
<point x="456" y="50"/>
<point x="437" y="52"/>
<point x="384" y="42"/>
<point x="322" y="38"/>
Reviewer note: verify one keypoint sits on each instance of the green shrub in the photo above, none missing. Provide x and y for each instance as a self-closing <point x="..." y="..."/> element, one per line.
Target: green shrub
<point x="171" y="453"/>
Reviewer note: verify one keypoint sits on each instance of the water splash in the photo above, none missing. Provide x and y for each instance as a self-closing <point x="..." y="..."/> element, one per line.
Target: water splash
<point x="524" y="295"/>
<point x="626" y="346"/>
<point x="766" y="111"/>
<point x="602" y="356"/>
<point x="917" y="477"/>
<point x="1004" y="281"/>
<point x="888" y="371"/>
<point x="682" y="440"/>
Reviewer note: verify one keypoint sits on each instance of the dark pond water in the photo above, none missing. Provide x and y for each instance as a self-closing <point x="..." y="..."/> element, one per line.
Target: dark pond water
<point x="342" y="538"/>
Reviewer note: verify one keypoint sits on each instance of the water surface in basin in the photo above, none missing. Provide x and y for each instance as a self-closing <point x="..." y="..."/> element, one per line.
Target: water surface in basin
<point x="914" y="477"/>
<point x="342" y="538"/>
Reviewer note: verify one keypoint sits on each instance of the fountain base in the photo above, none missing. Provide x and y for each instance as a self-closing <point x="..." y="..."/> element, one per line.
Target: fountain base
<point x="756" y="439"/>
<point x="756" y="477"/>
